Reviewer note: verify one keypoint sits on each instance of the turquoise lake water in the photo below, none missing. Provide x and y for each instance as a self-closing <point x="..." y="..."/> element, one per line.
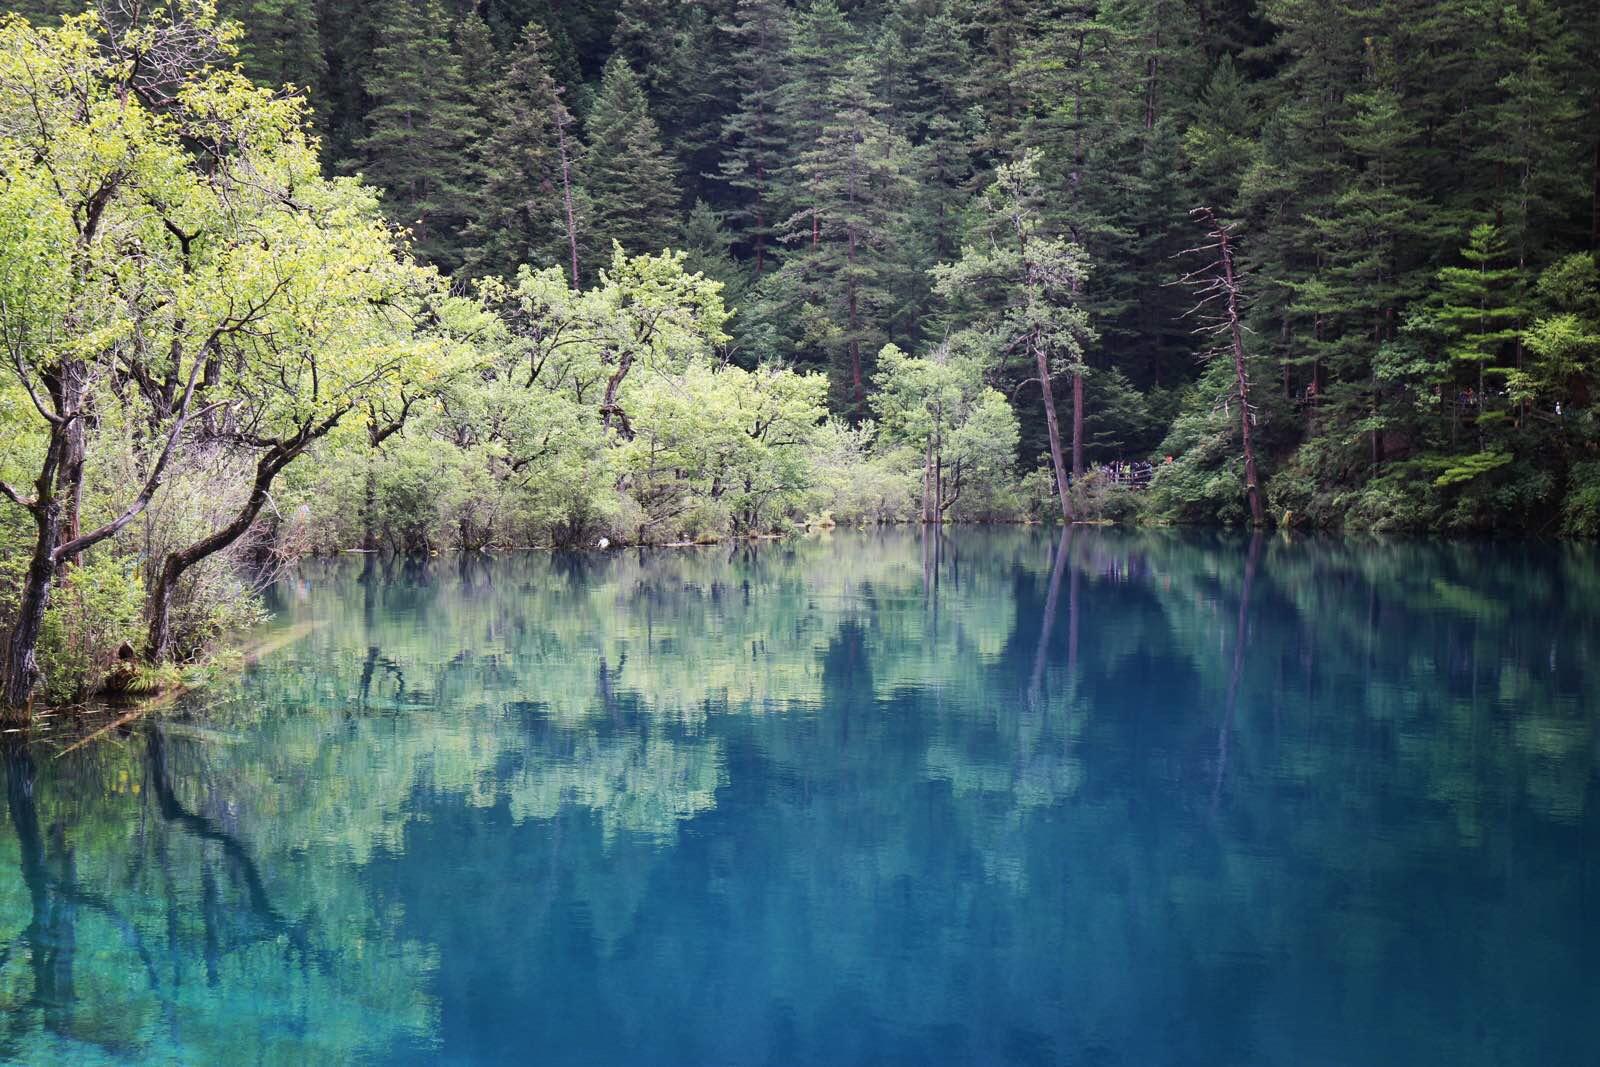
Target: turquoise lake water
<point x="970" y="797"/>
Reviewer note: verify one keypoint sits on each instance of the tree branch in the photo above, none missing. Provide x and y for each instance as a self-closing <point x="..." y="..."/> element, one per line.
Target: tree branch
<point x="15" y="498"/>
<point x="151" y="484"/>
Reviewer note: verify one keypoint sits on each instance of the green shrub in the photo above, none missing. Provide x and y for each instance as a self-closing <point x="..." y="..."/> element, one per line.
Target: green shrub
<point x="95" y="608"/>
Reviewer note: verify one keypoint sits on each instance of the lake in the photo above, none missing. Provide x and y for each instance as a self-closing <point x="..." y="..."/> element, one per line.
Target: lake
<point x="975" y="797"/>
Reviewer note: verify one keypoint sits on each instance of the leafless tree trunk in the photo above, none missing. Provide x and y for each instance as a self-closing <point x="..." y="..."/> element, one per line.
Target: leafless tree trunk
<point x="277" y="456"/>
<point x="1220" y="292"/>
<point x="1241" y="631"/>
<point x="562" y="119"/>
<point x="1057" y="461"/>
<point x="1047" y="624"/>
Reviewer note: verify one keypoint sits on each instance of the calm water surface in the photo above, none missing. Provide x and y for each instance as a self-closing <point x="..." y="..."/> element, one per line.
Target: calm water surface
<point x="981" y="797"/>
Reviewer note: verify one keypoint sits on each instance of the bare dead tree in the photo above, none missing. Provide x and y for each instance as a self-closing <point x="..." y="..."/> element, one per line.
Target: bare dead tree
<point x="562" y="119"/>
<point x="1217" y="284"/>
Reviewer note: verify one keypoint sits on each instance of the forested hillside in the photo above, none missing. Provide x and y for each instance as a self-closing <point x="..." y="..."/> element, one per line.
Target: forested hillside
<point x="1415" y="188"/>
<point x="529" y="272"/>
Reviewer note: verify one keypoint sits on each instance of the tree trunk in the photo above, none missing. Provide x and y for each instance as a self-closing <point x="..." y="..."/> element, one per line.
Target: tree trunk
<point x="1252" y="482"/>
<point x="1077" y="425"/>
<point x="20" y="671"/>
<point x="21" y="664"/>
<point x="566" y="189"/>
<point x="1241" y="631"/>
<point x="159" y="639"/>
<point x="1594" y="201"/>
<point x="608" y="403"/>
<point x="1054" y="428"/>
<point x="761" y="237"/>
<point x="69" y="476"/>
<point x="369" y="506"/>
<point x="1047" y="624"/>
<point x="158" y="646"/>
<point x="49" y="935"/>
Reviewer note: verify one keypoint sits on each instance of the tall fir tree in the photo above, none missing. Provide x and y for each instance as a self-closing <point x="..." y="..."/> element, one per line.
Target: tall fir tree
<point x="754" y="137"/>
<point x="518" y="214"/>
<point x="923" y="56"/>
<point x="681" y="53"/>
<point x="630" y="180"/>
<point x="282" y="44"/>
<point x="843" y="266"/>
<point x="820" y="47"/>
<point x="421" y="130"/>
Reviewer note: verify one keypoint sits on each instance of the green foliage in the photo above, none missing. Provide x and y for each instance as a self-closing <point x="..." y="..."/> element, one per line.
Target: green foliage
<point x="900" y="199"/>
<point x="518" y="215"/>
<point x="630" y="180"/>
<point x="422" y="126"/>
<point x="1580" y="512"/>
<point x="95" y="609"/>
<point x="188" y="304"/>
<point x="1466" y="468"/>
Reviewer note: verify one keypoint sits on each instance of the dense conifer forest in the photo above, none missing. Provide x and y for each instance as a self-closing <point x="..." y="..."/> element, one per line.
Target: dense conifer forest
<point x="294" y="276"/>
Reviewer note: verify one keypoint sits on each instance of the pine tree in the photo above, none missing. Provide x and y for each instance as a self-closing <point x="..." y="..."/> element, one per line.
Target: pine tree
<point x="1001" y="30"/>
<point x="349" y="31"/>
<point x="630" y="180"/>
<point x="1479" y="311"/>
<point x="1373" y="241"/>
<point x="1297" y="173"/>
<point x="754" y="136"/>
<point x="421" y="129"/>
<point x="681" y="54"/>
<point x="923" y="59"/>
<point x="820" y="48"/>
<point x="708" y="247"/>
<point x="518" y="214"/>
<point x="282" y="44"/>
<point x="1532" y="124"/>
<point x="843" y="264"/>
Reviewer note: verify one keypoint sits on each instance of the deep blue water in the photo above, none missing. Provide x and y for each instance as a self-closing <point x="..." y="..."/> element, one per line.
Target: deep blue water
<point x="975" y="797"/>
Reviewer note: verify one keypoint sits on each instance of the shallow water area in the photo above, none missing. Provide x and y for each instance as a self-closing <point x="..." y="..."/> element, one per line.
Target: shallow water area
<point x="960" y="796"/>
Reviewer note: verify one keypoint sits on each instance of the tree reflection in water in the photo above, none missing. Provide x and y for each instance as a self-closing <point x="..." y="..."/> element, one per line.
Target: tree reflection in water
<point x="954" y="794"/>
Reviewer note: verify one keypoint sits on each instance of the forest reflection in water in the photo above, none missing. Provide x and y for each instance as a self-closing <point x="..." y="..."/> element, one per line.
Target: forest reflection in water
<point x="965" y="796"/>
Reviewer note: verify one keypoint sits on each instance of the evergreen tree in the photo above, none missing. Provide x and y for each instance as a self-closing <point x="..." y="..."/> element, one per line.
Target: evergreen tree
<point x="820" y="48"/>
<point x="282" y="44"/>
<point x="630" y="180"/>
<point x="923" y="56"/>
<point x="680" y="52"/>
<point x="708" y="247"/>
<point x="754" y="138"/>
<point x="518" y="214"/>
<point x="1479" y="311"/>
<point x="421" y="131"/>
<point x="1372" y="241"/>
<point x="843" y="264"/>
<point x="349" y="33"/>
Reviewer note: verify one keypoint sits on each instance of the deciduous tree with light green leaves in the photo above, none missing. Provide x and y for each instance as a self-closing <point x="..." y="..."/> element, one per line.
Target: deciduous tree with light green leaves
<point x="172" y="263"/>
<point x="939" y="405"/>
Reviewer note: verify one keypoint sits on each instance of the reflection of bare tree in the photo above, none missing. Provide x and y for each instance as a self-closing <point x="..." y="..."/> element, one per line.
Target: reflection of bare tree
<point x="1047" y="624"/>
<point x="1241" y="629"/>
<point x="50" y="936"/>
<point x="49" y="933"/>
<point x="270" y="923"/>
